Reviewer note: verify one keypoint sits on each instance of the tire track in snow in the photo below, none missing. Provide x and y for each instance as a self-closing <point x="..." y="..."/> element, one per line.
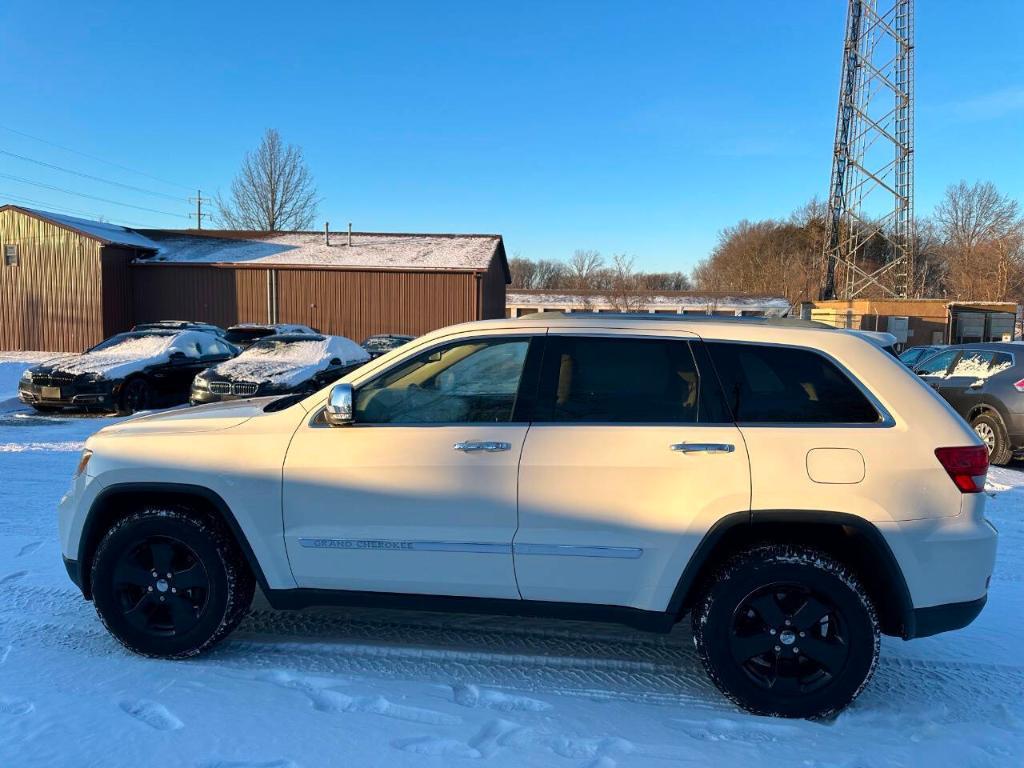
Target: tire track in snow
<point x="468" y="652"/>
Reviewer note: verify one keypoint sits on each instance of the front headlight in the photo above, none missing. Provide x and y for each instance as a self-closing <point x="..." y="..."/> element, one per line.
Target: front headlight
<point x="200" y="383"/>
<point x="83" y="462"/>
<point x="26" y="375"/>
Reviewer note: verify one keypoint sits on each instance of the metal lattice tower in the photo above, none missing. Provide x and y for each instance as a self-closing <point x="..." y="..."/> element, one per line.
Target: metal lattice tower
<point x="869" y="247"/>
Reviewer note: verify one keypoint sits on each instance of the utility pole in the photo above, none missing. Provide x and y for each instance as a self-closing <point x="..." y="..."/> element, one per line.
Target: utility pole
<point x="198" y="215"/>
<point x="870" y="240"/>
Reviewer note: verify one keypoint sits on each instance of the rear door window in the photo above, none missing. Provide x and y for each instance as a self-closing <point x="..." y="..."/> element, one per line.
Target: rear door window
<point x="973" y="363"/>
<point x="621" y="380"/>
<point x="766" y="383"/>
<point x="937" y="364"/>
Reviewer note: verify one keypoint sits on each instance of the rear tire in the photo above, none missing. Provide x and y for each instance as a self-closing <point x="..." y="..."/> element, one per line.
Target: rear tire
<point x="170" y="585"/>
<point x="990" y="428"/>
<point x="787" y="632"/>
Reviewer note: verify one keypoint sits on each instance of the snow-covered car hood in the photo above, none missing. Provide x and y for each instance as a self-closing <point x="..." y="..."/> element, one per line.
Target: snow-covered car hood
<point x="108" y="366"/>
<point x="200" y="418"/>
<point x="292" y="365"/>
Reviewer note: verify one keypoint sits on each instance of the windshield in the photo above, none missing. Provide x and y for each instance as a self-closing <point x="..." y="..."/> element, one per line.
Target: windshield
<point x="385" y="342"/>
<point x="124" y="343"/>
<point x="243" y="335"/>
<point x="299" y="352"/>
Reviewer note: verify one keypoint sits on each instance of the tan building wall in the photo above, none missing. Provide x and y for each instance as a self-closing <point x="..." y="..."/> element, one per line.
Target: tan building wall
<point x="928" y="319"/>
<point x="51" y="298"/>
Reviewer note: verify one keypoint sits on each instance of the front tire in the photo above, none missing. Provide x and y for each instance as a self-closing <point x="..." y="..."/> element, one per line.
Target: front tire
<point x="990" y="428"/>
<point x="787" y="631"/>
<point x="168" y="584"/>
<point x="136" y="395"/>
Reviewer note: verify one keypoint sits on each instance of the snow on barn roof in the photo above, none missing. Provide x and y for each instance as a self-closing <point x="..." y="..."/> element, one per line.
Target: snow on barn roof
<point x="372" y="250"/>
<point x="98" y="230"/>
<point x="558" y="299"/>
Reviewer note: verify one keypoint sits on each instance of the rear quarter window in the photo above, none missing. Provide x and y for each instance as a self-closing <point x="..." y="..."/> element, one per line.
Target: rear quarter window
<point x="765" y="383"/>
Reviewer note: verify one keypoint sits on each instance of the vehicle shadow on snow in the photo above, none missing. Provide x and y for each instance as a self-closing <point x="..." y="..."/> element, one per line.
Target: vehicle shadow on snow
<point x="603" y="661"/>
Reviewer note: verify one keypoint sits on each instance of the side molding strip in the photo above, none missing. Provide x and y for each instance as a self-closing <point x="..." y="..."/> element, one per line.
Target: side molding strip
<point x="571" y="550"/>
<point x="392" y="545"/>
<point x="408" y="546"/>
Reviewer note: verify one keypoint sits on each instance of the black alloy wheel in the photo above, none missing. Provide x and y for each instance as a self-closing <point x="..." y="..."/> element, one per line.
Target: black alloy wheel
<point x="135" y="396"/>
<point x="788" y="639"/>
<point x="786" y="631"/>
<point x="161" y="586"/>
<point x="170" y="583"/>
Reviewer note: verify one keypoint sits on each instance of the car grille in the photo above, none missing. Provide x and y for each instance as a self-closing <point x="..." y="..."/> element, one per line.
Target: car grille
<point x="55" y="379"/>
<point x="240" y="388"/>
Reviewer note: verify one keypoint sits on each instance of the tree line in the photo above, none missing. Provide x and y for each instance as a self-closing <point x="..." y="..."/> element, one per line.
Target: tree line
<point x="970" y="247"/>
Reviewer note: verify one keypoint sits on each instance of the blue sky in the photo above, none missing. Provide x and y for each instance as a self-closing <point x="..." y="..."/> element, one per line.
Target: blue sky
<point x="634" y="127"/>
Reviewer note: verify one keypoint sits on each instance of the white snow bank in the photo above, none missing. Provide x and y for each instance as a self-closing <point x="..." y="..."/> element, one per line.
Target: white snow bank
<point x="290" y="363"/>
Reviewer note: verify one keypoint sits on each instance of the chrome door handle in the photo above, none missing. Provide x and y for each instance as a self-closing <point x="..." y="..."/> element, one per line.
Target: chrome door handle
<point x="490" y="446"/>
<point x="703" y="447"/>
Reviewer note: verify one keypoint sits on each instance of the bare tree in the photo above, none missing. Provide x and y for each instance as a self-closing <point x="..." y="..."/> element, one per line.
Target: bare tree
<point x="273" y="191"/>
<point x="522" y="271"/>
<point x="982" y="237"/>
<point x="582" y="267"/>
<point x="550" y="274"/>
<point x="625" y="291"/>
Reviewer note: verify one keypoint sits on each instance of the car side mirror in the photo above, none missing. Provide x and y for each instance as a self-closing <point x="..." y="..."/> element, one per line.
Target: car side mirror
<point x="177" y="356"/>
<point x="335" y="361"/>
<point x="339" y="406"/>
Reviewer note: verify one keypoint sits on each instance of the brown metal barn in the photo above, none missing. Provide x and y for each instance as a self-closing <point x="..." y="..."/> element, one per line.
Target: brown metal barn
<point x="67" y="283"/>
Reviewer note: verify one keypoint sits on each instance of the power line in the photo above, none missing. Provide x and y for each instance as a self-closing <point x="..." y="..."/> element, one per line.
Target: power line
<point x="89" y="176"/>
<point x="93" y="157"/>
<point x="48" y="207"/>
<point x="90" y="197"/>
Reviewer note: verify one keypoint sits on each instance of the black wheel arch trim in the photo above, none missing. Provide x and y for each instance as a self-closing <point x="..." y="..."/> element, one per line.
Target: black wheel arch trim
<point x="88" y="540"/>
<point x="684" y="592"/>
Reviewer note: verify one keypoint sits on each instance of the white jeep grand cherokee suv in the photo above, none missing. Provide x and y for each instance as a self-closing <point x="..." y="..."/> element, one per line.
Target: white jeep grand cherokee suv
<point x="792" y="487"/>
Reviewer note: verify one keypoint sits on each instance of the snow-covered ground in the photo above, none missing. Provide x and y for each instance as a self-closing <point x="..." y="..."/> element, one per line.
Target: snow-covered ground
<point x="361" y="688"/>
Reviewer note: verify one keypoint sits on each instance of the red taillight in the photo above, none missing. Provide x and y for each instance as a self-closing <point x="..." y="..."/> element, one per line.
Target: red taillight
<point x="967" y="465"/>
<point x="1019" y="385"/>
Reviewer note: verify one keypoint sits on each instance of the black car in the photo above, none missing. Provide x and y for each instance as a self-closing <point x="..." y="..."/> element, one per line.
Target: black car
<point x="126" y="373"/>
<point x="244" y="335"/>
<point x="382" y="343"/>
<point x="278" y="365"/>
<point x="179" y="325"/>
<point x="985" y="384"/>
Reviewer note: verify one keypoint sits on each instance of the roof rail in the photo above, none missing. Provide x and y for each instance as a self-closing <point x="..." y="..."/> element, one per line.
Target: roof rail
<point x="785" y="322"/>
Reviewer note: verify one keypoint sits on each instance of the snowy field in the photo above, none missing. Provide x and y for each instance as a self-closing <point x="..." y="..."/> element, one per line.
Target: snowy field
<point x="373" y="688"/>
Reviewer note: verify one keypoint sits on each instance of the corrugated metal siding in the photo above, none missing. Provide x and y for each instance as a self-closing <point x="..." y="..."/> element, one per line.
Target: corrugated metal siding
<point x="358" y="304"/>
<point x="353" y="303"/>
<point x="52" y="300"/>
<point x="211" y="294"/>
<point x="493" y="290"/>
<point x="118" y="308"/>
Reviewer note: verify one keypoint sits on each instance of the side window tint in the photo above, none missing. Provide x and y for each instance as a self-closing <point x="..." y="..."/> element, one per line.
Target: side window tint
<point x="937" y="364"/>
<point x="472" y="381"/>
<point x="773" y="384"/>
<point x="587" y="379"/>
